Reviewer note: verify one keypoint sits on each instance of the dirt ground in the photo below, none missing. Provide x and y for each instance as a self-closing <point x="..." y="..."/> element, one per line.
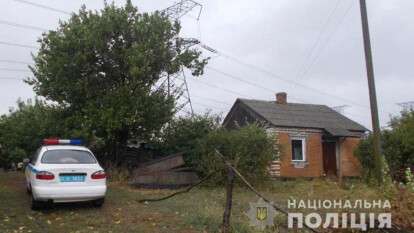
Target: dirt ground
<point x="197" y="211"/>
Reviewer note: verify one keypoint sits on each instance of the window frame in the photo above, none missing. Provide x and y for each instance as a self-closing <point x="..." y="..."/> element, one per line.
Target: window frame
<point x="91" y="155"/>
<point x="303" y="139"/>
<point x="35" y="156"/>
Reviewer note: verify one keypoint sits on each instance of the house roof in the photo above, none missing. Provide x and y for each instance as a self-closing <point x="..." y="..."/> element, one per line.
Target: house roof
<point x="303" y="116"/>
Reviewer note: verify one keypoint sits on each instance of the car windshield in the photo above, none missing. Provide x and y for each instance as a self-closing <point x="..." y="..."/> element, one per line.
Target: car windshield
<point x="68" y="157"/>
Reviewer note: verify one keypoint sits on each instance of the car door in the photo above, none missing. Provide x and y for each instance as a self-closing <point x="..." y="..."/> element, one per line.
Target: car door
<point x="30" y="167"/>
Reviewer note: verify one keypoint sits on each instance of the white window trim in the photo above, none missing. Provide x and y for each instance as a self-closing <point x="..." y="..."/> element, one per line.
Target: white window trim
<point x="303" y="139"/>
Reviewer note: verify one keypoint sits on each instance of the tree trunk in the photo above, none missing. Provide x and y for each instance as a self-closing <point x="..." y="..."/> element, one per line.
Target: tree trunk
<point x="121" y="141"/>
<point x="229" y="197"/>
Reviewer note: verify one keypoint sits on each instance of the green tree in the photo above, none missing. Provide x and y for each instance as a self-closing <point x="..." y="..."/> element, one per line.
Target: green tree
<point x="397" y="147"/>
<point x="103" y="67"/>
<point x="184" y="134"/>
<point x="22" y="130"/>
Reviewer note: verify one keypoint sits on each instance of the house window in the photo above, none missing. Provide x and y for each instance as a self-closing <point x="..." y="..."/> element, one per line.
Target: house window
<point x="298" y="149"/>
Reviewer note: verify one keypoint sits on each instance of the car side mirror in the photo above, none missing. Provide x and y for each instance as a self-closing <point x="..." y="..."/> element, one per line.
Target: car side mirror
<point x="26" y="161"/>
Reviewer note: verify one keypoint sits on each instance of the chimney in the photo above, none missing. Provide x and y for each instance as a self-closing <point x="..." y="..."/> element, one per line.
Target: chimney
<point x="281" y="98"/>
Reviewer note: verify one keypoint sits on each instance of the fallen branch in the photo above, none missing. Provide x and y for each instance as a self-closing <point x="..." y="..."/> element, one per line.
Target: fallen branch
<point x="254" y="190"/>
<point x="179" y="192"/>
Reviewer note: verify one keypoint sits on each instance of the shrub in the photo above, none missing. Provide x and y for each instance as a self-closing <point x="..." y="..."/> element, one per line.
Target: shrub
<point x="409" y="176"/>
<point x="184" y="134"/>
<point x="250" y="149"/>
<point x="22" y="130"/>
<point x="397" y="148"/>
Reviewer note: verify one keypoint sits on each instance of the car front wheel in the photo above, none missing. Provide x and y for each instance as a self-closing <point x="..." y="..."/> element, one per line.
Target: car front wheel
<point x="99" y="202"/>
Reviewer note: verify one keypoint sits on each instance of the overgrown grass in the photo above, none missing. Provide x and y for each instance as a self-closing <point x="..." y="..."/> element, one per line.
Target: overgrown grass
<point x="197" y="211"/>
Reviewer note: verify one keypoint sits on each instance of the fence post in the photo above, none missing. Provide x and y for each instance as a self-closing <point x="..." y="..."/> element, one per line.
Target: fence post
<point x="229" y="198"/>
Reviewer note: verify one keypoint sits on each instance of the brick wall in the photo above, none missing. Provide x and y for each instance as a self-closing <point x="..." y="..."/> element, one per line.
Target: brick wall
<point x="350" y="164"/>
<point x="314" y="166"/>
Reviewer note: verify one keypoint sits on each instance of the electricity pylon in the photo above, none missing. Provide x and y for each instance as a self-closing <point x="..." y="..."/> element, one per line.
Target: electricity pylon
<point x="181" y="8"/>
<point x="177" y="84"/>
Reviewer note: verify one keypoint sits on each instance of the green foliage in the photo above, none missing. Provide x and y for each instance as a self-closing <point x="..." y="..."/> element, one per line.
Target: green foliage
<point x="22" y="130"/>
<point x="399" y="141"/>
<point x="250" y="149"/>
<point x="364" y="152"/>
<point x="102" y="67"/>
<point x="397" y="147"/>
<point x="184" y="134"/>
<point x="409" y="176"/>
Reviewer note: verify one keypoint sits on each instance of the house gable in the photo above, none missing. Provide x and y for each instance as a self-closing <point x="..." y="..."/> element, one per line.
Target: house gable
<point x="240" y="115"/>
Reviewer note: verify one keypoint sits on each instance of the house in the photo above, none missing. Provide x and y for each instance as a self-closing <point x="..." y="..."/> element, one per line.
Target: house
<point x="315" y="140"/>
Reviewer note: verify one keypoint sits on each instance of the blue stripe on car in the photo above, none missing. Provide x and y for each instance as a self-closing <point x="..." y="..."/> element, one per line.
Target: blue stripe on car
<point x="33" y="169"/>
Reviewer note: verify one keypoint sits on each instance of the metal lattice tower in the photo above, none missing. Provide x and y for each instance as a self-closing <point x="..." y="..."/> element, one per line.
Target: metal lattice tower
<point x="407" y="106"/>
<point x="179" y="9"/>
<point x="177" y="84"/>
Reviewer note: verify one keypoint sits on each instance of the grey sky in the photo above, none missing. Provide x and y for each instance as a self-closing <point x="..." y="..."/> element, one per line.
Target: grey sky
<point x="276" y="36"/>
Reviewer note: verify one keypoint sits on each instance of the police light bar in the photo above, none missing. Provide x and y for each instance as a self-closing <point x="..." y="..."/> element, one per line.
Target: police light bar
<point x="56" y="141"/>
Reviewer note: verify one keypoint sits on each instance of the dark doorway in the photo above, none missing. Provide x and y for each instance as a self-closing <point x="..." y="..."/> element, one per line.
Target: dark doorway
<point x="329" y="158"/>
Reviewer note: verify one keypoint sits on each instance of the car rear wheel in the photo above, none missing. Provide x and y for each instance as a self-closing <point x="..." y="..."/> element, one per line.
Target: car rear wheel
<point x="38" y="205"/>
<point x="99" y="202"/>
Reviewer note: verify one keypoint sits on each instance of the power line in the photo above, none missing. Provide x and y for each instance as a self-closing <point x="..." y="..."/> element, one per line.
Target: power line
<point x="209" y="106"/>
<point x="211" y="99"/>
<point x="270" y="73"/>
<point x="276" y="76"/>
<point x="319" y="37"/>
<point x="25" y="26"/>
<point x="222" y="54"/>
<point x="315" y="59"/>
<point x="43" y="6"/>
<point x="227" y="56"/>
<point x="256" y="85"/>
<point x="224" y="89"/>
<point x="245" y="81"/>
<point x="18" y="45"/>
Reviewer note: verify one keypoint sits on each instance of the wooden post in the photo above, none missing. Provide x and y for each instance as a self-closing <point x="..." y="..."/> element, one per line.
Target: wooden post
<point x="372" y="93"/>
<point x="229" y="198"/>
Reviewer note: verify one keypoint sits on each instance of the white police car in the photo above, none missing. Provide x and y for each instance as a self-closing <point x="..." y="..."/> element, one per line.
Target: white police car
<point x="64" y="171"/>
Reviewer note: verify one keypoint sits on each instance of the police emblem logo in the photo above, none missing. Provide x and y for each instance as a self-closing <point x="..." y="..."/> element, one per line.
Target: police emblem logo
<point x="261" y="213"/>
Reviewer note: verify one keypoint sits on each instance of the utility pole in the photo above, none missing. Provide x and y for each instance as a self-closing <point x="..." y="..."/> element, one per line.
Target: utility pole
<point x="372" y="93"/>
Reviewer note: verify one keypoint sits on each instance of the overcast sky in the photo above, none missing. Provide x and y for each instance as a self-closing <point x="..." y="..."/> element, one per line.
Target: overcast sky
<point x="311" y="49"/>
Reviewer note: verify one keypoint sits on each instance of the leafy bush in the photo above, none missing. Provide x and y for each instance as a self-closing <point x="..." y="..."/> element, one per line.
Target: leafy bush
<point x="397" y="148"/>
<point x="364" y="152"/>
<point x="22" y="130"/>
<point x="185" y="133"/>
<point x="250" y="149"/>
<point x="409" y="176"/>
